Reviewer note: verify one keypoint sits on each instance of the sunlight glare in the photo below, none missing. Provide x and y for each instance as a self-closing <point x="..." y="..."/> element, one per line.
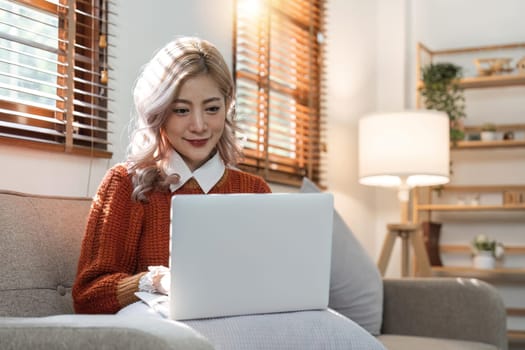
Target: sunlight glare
<point x="250" y="8"/>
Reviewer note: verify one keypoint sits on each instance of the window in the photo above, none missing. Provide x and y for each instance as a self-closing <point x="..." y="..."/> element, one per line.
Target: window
<point x="54" y="75"/>
<point x="278" y="62"/>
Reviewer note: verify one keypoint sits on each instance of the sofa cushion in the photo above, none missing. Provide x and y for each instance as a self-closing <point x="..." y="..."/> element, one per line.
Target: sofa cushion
<point x="40" y="238"/>
<point x="407" y="342"/>
<point x="86" y="332"/>
<point x="356" y="287"/>
<point x="305" y="330"/>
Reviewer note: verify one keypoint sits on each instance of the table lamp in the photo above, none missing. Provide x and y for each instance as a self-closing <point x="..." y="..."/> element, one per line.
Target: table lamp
<point x="403" y="150"/>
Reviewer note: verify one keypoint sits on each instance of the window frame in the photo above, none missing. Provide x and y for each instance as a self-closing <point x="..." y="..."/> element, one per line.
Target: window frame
<point x="308" y="149"/>
<point x="79" y="122"/>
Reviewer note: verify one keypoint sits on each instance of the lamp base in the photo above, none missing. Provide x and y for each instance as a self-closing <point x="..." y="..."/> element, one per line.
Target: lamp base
<point x="409" y="234"/>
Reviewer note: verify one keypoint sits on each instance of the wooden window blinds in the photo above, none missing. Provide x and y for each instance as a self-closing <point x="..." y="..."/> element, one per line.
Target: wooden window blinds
<point x="54" y="75"/>
<point x="278" y="64"/>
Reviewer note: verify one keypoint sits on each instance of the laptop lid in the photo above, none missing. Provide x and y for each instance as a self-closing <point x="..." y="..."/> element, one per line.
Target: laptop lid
<point x="238" y="254"/>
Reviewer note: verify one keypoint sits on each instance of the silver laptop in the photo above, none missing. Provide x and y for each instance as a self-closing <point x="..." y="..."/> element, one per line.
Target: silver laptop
<point x="239" y="254"/>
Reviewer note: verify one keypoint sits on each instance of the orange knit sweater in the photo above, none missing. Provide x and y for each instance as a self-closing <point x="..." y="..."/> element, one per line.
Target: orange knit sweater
<point x="123" y="237"/>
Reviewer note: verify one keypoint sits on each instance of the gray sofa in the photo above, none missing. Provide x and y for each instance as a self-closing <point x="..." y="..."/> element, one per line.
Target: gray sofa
<point x="39" y="246"/>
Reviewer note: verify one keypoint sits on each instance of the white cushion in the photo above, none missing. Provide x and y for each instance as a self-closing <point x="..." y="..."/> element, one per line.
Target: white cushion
<point x="356" y="286"/>
<point x="302" y="330"/>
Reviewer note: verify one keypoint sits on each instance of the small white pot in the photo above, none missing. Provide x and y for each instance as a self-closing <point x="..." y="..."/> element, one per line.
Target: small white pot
<point x="488" y="135"/>
<point x="484" y="260"/>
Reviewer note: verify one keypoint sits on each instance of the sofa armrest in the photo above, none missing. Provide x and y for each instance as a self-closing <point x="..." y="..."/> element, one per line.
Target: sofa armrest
<point x="453" y="308"/>
<point x="86" y="332"/>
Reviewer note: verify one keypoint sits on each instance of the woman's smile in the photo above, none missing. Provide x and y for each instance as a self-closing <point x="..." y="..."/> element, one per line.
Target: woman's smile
<point x="198" y="142"/>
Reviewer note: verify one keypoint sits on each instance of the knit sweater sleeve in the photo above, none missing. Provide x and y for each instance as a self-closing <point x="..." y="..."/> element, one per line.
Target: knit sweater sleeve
<point x="106" y="277"/>
<point x="262" y="187"/>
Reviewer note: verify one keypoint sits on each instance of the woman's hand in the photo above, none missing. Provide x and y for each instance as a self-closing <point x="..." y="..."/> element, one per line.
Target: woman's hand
<point x="161" y="280"/>
<point x="156" y="280"/>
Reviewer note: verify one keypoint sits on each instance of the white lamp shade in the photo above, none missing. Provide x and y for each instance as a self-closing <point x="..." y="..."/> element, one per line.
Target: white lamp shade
<point x="409" y="147"/>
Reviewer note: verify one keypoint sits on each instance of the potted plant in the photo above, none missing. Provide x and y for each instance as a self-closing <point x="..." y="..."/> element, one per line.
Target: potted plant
<point x="441" y="91"/>
<point x="488" y="132"/>
<point x="486" y="252"/>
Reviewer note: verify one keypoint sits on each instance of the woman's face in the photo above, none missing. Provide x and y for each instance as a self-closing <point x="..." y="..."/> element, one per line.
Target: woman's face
<point x="196" y="120"/>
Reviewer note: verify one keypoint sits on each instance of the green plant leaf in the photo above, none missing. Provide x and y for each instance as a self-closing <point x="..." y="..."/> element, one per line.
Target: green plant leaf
<point x="442" y="92"/>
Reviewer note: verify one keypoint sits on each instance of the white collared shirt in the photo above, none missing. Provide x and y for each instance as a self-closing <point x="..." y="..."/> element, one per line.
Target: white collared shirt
<point x="206" y="176"/>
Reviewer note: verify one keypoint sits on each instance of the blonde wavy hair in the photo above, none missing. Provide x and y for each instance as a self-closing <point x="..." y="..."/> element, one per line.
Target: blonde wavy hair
<point x="155" y="89"/>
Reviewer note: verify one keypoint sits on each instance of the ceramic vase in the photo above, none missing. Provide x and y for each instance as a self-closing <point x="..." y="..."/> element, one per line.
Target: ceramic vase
<point x="488" y="136"/>
<point x="484" y="260"/>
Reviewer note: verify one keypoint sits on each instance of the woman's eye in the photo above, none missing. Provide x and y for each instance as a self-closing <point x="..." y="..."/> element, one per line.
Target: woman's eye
<point x="213" y="109"/>
<point x="181" y="111"/>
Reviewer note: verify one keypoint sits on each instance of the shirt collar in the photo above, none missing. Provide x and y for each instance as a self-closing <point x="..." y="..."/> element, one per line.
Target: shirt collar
<point x="206" y="176"/>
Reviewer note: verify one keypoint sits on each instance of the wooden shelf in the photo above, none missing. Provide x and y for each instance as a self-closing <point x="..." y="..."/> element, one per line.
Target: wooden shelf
<point x="512" y="202"/>
<point x="508" y="275"/>
<point x="516" y="311"/>
<point x="458" y="207"/>
<point x="487" y="144"/>
<point x="492" y="81"/>
<point x="488" y="81"/>
<point x="499" y="127"/>
<point x="503" y="190"/>
<point x="465" y="249"/>
<point x="462" y="50"/>
<point x="496" y="80"/>
<point x="516" y="337"/>
<point x="479" y="188"/>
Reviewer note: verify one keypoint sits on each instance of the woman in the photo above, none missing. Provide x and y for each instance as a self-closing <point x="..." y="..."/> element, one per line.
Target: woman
<point x="183" y="144"/>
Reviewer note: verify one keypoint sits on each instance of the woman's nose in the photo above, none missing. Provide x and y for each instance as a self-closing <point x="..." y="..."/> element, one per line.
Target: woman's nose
<point x="198" y="122"/>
